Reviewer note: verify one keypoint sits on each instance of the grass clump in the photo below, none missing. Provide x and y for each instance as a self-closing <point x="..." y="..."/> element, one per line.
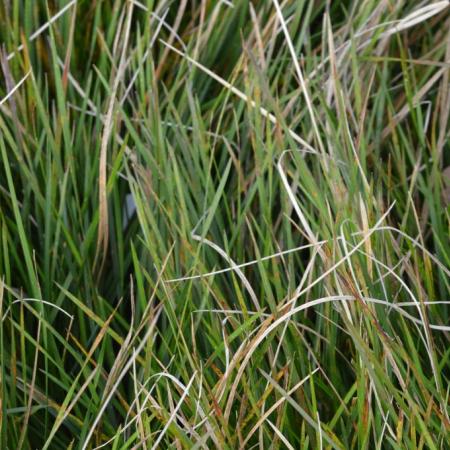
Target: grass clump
<point x="224" y="224"/>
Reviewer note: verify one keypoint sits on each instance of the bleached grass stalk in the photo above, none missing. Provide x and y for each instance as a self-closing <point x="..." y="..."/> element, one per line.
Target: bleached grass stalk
<point x="103" y="227"/>
<point x="173" y="415"/>
<point x="44" y="302"/>
<point x="43" y="27"/>
<point x="280" y="435"/>
<point x="303" y="86"/>
<point x="15" y="88"/>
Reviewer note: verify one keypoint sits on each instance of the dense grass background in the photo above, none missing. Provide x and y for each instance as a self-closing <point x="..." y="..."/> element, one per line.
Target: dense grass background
<point x="224" y="224"/>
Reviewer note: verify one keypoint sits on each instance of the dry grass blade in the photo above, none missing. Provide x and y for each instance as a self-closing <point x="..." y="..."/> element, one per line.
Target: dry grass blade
<point x="301" y="80"/>
<point x="103" y="226"/>
<point x="44" y="27"/>
<point x="174" y="412"/>
<point x="14" y="89"/>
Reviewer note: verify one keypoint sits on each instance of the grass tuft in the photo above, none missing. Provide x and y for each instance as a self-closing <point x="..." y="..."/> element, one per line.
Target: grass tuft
<point x="224" y="224"/>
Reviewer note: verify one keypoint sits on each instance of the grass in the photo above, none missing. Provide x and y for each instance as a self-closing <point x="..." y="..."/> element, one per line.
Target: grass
<point x="224" y="224"/>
